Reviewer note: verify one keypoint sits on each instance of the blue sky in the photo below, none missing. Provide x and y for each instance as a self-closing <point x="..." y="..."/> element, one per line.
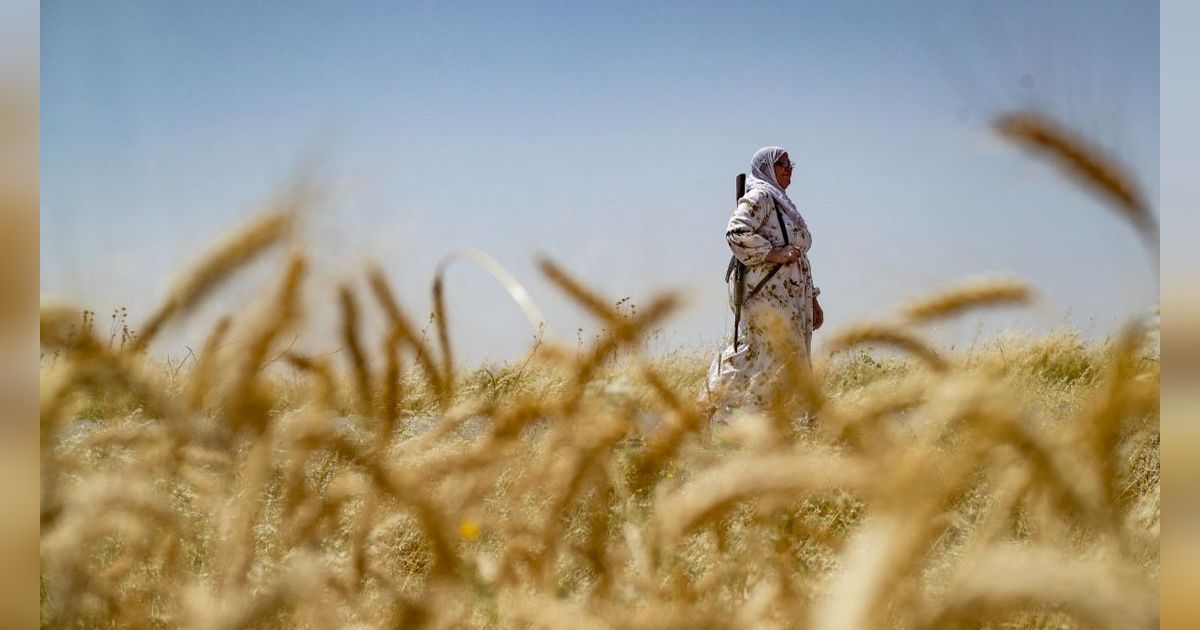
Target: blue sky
<point x="606" y="137"/>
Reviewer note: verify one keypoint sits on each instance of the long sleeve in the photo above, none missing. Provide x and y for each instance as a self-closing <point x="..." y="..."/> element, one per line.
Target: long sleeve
<point x="748" y="246"/>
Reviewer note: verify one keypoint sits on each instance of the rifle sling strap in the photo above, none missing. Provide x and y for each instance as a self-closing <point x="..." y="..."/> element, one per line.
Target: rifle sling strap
<point x="738" y="269"/>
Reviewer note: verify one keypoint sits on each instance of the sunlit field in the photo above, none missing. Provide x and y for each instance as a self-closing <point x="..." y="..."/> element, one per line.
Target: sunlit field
<point x="895" y="484"/>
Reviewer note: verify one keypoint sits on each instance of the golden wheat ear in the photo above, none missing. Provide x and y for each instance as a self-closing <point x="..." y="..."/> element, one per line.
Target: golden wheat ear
<point x="979" y="293"/>
<point x="229" y="255"/>
<point x="402" y="328"/>
<point x="586" y="297"/>
<point x="888" y="335"/>
<point x="1094" y="169"/>
<point x="354" y="348"/>
<point x="792" y="474"/>
<point x="59" y="324"/>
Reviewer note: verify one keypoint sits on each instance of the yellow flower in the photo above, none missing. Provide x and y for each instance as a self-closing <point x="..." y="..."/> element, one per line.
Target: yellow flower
<point x="468" y="530"/>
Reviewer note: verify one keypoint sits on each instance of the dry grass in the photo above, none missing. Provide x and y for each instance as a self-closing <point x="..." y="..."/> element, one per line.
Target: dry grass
<point x="1012" y="485"/>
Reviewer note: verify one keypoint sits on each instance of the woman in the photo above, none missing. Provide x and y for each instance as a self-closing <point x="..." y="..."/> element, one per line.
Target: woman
<point x="771" y="241"/>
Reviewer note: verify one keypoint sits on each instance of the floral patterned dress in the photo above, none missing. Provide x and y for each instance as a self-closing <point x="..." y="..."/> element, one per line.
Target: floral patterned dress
<point x="741" y="377"/>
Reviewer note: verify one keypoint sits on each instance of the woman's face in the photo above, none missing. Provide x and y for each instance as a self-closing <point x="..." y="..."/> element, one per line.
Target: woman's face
<point x="783" y="171"/>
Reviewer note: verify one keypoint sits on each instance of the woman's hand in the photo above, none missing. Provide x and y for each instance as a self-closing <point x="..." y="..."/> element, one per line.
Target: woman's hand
<point x="818" y="314"/>
<point x="784" y="255"/>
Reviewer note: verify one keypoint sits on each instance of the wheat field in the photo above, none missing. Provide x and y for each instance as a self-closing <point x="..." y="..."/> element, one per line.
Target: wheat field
<point x="894" y="484"/>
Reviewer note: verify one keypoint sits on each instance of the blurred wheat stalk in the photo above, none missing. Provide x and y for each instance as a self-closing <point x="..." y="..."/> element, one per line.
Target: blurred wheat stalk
<point x="1017" y="485"/>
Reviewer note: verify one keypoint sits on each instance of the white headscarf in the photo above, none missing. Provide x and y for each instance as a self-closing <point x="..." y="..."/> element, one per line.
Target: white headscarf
<point x="762" y="175"/>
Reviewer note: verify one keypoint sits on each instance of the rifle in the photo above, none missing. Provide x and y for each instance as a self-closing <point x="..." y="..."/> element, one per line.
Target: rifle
<point x="738" y="270"/>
